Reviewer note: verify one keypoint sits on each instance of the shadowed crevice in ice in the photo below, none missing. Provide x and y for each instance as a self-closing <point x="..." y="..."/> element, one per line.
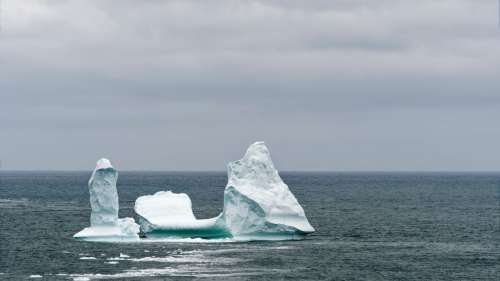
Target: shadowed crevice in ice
<point x="258" y="205"/>
<point x="104" y="222"/>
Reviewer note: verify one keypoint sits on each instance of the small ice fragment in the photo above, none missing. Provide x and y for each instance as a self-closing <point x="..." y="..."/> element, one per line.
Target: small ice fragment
<point x="87" y="258"/>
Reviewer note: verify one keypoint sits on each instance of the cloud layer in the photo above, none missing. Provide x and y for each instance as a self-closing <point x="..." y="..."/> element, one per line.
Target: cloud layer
<point x="187" y="85"/>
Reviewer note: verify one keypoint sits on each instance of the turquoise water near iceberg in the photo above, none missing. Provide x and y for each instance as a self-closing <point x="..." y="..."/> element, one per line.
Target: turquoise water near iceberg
<point x="369" y="226"/>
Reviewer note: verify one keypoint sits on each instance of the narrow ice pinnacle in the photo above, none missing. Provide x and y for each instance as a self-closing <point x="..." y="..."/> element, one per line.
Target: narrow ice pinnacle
<point x="104" y="222"/>
<point x="103" y="194"/>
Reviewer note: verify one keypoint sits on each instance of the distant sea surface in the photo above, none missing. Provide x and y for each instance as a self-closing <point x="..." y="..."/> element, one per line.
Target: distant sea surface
<point x="369" y="226"/>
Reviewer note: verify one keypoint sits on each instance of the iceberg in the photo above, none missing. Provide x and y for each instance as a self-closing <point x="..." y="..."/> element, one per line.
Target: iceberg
<point x="170" y="214"/>
<point x="258" y="205"/>
<point x="104" y="222"/>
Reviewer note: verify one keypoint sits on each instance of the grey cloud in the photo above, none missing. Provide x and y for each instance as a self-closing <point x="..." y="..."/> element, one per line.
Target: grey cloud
<point x="330" y="84"/>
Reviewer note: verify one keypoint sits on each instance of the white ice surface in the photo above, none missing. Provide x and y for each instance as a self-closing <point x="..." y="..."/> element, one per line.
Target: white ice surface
<point x="257" y="201"/>
<point x="103" y="195"/>
<point x="171" y="212"/>
<point x="166" y="208"/>
<point x="258" y="205"/>
<point x="126" y="230"/>
<point x="103" y="163"/>
<point x="104" y="222"/>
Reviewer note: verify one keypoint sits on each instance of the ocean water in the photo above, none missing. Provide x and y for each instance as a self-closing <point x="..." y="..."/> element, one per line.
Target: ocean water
<point x="369" y="226"/>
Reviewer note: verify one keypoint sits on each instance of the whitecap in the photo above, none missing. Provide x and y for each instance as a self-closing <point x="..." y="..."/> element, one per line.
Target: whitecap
<point x="13" y="203"/>
<point x="192" y="271"/>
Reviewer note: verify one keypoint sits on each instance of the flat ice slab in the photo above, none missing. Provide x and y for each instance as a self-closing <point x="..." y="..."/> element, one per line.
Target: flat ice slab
<point x="165" y="208"/>
<point x="166" y="213"/>
<point x="125" y="230"/>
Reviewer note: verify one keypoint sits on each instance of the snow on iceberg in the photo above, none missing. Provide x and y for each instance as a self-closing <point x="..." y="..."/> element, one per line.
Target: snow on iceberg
<point x="257" y="206"/>
<point x="104" y="222"/>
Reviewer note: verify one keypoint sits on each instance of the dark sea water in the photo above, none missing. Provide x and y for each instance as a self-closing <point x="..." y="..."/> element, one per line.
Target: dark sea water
<point x="369" y="226"/>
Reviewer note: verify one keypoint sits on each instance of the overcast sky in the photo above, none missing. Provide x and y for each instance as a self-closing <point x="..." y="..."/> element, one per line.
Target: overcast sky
<point x="188" y="85"/>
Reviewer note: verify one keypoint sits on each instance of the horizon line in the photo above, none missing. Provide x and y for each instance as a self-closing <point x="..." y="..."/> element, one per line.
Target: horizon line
<point x="280" y="171"/>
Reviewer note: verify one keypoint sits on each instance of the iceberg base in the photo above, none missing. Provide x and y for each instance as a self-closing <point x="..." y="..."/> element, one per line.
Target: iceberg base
<point x="125" y="230"/>
<point x="203" y="228"/>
